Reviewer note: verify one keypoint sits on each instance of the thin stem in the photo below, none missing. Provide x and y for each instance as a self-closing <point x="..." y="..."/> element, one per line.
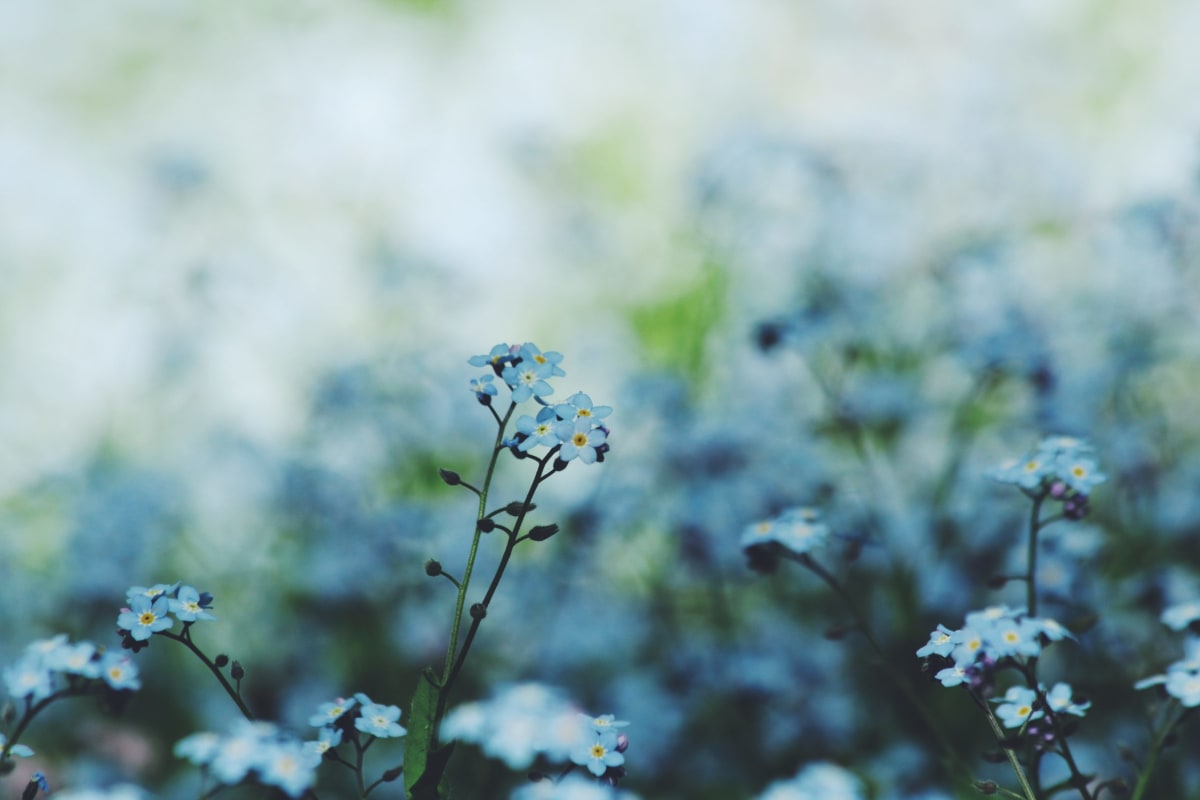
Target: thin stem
<point x="882" y="662"/>
<point x="1031" y="572"/>
<point x="1012" y="757"/>
<point x="186" y="640"/>
<point x="497" y="448"/>
<point x="1172" y="718"/>
<point x="513" y="539"/>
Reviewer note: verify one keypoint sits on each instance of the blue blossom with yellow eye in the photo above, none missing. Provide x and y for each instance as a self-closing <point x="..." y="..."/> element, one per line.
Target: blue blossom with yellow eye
<point x="379" y="721"/>
<point x="527" y="380"/>
<point x="1061" y="700"/>
<point x="331" y="712"/>
<point x="1017" y="707"/>
<point x="579" y="406"/>
<point x="597" y="753"/>
<point x="548" y="362"/>
<point x="580" y="440"/>
<point x="190" y="605"/>
<point x="119" y="672"/>
<point x="145" y="617"/>
<point x="541" y="430"/>
<point x="484" y="388"/>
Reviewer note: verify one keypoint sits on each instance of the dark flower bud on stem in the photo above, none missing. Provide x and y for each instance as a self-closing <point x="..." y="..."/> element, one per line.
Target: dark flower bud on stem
<point x="451" y="477"/>
<point x="237" y="671"/>
<point x="221" y="660"/>
<point x="987" y="787"/>
<point x="486" y="525"/>
<point x="433" y="568"/>
<point x="478" y="611"/>
<point x="516" y="508"/>
<point x="392" y="774"/>
<point x="541" y="533"/>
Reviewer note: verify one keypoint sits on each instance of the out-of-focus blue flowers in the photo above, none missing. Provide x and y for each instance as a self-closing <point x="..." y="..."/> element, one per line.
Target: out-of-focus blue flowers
<point x="818" y="781"/>
<point x="256" y="751"/>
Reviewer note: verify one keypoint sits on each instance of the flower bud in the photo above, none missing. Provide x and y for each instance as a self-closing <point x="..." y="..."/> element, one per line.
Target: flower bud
<point x="478" y="611"/>
<point x="486" y="525"/>
<point x="451" y="477"/>
<point x="516" y="508"/>
<point x="237" y="671"/>
<point x="541" y="533"/>
<point x="622" y="743"/>
<point x="433" y="568"/>
<point x="987" y="787"/>
<point x="392" y="774"/>
<point x="221" y="660"/>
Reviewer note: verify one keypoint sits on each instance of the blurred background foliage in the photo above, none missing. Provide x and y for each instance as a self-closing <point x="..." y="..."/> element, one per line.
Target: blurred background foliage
<point x="841" y="254"/>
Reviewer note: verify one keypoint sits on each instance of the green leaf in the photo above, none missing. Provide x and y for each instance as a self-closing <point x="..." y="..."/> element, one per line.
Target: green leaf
<point x="419" y="741"/>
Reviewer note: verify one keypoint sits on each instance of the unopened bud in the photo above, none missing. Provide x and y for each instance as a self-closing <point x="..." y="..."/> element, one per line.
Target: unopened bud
<point x="517" y="508"/>
<point x="433" y="568"/>
<point x="451" y="477"/>
<point x="486" y="525"/>
<point x="392" y="774"/>
<point x="622" y="743"/>
<point x="221" y="660"/>
<point x="541" y="533"/>
<point x="478" y="611"/>
<point x="237" y="671"/>
<point x="987" y="787"/>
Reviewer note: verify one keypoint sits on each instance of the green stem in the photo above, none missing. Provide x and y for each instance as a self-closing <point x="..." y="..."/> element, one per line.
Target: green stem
<point x="513" y="539"/>
<point x="1012" y="757"/>
<point x="1172" y="718"/>
<point x="452" y="647"/>
<point x="186" y="640"/>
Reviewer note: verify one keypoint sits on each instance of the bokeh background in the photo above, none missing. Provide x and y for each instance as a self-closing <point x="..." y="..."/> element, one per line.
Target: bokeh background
<point x="849" y="254"/>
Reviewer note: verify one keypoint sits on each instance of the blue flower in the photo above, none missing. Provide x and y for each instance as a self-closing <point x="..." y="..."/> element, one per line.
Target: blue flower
<point x="328" y="739"/>
<point x="1078" y="471"/>
<point x="29" y="678"/>
<point x="499" y="357"/>
<point x="1060" y="699"/>
<point x="329" y="713"/>
<point x="1017" y="706"/>
<point x="546" y="361"/>
<point x="145" y="617"/>
<point x="579" y="406"/>
<point x="151" y="592"/>
<point x="19" y="750"/>
<point x="190" y="605"/>
<point x="798" y="530"/>
<point x="119" y="672"/>
<point x="1181" y="615"/>
<point x="539" y="431"/>
<point x="379" y="720"/>
<point x="527" y="380"/>
<point x="484" y="388"/>
<point x="940" y="643"/>
<point x="75" y="659"/>
<point x="604" y="722"/>
<point x="580" y="440"/>
<point x="598" y="753"/>
<point x="288" y="765"/>
<point x="952" y="676"/>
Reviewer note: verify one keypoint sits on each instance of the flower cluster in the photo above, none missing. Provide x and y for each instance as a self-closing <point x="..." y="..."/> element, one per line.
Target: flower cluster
<point x="358" y="713"/>
<point x="150" y="608"/>
<point x="572" y="429"/>
<point x="528" y="721"/>
<point x="1182" y="678"/>
<point x="252" y="752"/>
<point x="1062" y="467"/>
<point x="994" y="637"/>
<point x="795" y="532"/>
